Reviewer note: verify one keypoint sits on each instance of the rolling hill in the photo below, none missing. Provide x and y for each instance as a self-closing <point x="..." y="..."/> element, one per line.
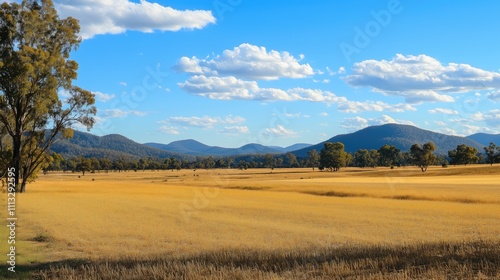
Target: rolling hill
<point x="195" y="148"/>
<point x="374" y="137"/>
<point x="485" y="139"/>
<point x="401" y="136"/>
<point x="111" y="146"/>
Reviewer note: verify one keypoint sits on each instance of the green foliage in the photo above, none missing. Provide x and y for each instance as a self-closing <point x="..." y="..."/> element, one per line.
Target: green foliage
<point x="363" y="158"/>
<point x="312" y="158"/>
<point x="388" y="155"/>
<point x="423" y="156"/>
<point x="83" y="165"/>
<point x="291" y="160"/>
<point x="492" y="153"/>
<point x="463" y="154"/>
<point x="333" y="156"/>
<point x="35" y="47"/>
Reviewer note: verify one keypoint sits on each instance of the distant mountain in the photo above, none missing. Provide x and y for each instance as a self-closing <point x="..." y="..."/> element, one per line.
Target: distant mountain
<point x="195" y="148"/>
<point x="111" y="146"/>
<point x="189" y="147"/>
<point x="485" y="139"/>
<point x="401" y="136"/>
<point x="291" y="148"/>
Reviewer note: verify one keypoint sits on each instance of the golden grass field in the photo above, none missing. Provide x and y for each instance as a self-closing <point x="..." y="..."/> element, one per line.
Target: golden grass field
<point x="233" y="224"/>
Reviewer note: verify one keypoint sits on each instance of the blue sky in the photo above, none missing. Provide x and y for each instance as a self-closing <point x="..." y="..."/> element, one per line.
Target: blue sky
<point x="232" y="72"/>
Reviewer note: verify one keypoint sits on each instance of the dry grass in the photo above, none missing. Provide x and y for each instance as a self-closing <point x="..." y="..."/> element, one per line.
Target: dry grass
<point x="429" y="261"/>
<point x="232" y="224"/>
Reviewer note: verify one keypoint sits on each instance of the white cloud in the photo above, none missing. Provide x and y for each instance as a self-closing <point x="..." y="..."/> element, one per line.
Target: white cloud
<point x="443" y="111"/>
<point x="169" y="130"/>
<point x="102" y="96"/>
<point x="117" y="16"/>
<point x="332" y="73"/>
<point x="223" y="88"/>
<point x="324" y="114"/>
<point x="123" y="84"/>
<point x="205" y="122"/>
<point x="492" y="118"/>
<point x="377" y="106"/>
<point x="449" y="131"/>
<point x="235" y="129"/>
<point x="248" y="61"/>
<point x="421" y="78"/>
<point x="440" y="123"/>
<point x="280" y="131"/>
<point x="471" y="129"/>
<point x="478" y="116"/>
<point x="494" y="96"/>
<point x="232" y="88"/>
<point x="357" y="123"/>
<point x="117" y="113"/>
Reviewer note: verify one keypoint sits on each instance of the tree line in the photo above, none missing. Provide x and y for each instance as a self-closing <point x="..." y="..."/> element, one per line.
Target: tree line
<point x="331" y="158"/>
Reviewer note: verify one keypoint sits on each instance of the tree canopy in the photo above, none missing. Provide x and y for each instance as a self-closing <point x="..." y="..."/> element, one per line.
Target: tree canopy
<point x="333" y="156"/>
<point x="463" y="154"/>
<point x="423" y="156"/>
<point x="35" y="66"/>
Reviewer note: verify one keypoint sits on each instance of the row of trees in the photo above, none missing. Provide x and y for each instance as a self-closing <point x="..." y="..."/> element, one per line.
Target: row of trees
<point x="57" y="162"/>
<point x="333" y="156"/>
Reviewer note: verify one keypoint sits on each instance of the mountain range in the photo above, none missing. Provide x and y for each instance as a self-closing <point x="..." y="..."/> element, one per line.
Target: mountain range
<point x="485" y="139"/>
<point x="374" y="137"/>
<point x="401" y="136"/>
<point x="195" y="148"/>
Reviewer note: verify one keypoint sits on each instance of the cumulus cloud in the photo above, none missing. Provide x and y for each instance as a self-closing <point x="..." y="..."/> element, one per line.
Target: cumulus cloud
<point x="117" y="113"/>
<point x="117" y="16"/>
<point x="169" y="130"/>
<point x="492" y="118"/>
<point x="280" y="131"/>
<point x="377" y="106"/>
<point x="421" y="78"/>
<point x="232" y="88"/>
<point x="102" y="96"/>
<point x="235" y="130"/>
<point x="356" y="123"/>
<point x="249" y="62"/>
<point x="205" y="122"/>
<point x="493" y="96"/>
<point x="443" y="111"/>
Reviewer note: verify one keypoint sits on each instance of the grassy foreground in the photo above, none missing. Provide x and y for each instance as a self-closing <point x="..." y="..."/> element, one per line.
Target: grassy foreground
<point x="476" y="260"/>
<point x="261" y="224"/>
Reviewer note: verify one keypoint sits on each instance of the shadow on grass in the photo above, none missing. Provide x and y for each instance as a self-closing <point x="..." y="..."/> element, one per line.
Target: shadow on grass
<point x="479" y="260"/>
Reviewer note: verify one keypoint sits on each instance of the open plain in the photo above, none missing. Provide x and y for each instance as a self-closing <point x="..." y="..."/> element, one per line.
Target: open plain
<point x="261" y="224"/>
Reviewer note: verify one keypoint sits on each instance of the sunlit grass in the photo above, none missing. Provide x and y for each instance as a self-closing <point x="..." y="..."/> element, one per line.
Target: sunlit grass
<point x="179" y="215"/>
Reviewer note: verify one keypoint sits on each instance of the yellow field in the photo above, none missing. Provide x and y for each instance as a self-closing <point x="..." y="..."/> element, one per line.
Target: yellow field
<point x="181" y="213"/>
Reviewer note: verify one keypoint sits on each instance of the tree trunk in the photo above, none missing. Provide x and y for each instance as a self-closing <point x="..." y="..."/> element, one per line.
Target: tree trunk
<point x="16" y="161"/>
<point x="23" y="186"/>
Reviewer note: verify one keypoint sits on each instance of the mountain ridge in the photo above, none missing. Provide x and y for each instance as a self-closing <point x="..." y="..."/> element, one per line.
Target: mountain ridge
<point x="373" y="137"/>
<point x="485" y="138"/>
<point x="399" y="135"/>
